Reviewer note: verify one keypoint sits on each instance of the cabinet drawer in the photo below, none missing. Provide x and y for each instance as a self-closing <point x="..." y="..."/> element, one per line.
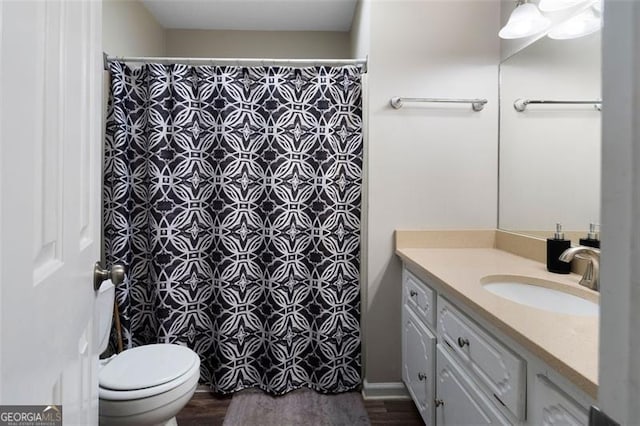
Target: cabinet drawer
<point x="551" y="406"/>
<point x="418" y="363"/>
<point x="419" y="297"/>
<point x="500" y="371"/>
<point x="459" y="400"/>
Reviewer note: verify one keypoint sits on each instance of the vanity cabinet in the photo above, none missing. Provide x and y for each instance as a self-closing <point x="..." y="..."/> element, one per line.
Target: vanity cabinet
<point x="458" y="372"/>
<point x="458" y="400"/>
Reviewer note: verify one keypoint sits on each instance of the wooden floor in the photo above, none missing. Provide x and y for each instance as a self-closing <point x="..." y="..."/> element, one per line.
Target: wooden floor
<point x="208" y="409"/>
<point x="204" y="409"/>
<point x="393" y="412"/>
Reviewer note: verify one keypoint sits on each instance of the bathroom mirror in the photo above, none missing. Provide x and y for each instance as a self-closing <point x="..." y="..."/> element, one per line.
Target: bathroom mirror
<point x="550" y="152"/>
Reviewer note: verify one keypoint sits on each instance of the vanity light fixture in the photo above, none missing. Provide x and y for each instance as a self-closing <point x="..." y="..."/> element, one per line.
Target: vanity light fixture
<point x="525" y="21"/>
<point x="558" y="5"/>
<point x="599" y="6"/>
<point x="580" y="25"/>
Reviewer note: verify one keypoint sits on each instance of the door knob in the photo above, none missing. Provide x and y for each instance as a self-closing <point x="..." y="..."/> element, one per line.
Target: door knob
<point x="116" y="274"/>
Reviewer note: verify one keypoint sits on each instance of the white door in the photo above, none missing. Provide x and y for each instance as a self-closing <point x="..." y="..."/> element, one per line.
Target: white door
<point x="50" y="167"/>
<point x="619" y="360"/>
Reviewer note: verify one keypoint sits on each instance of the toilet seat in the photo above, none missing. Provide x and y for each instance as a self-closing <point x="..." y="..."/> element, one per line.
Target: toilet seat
<point x="146" y="371"/>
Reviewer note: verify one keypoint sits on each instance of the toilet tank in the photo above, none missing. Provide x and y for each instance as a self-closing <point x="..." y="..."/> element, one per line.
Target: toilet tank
<point x="105" y="299"/>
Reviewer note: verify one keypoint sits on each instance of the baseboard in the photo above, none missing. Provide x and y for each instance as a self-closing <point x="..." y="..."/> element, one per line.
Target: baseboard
<point x="388" y="390"/>
<point x="370" y="391"/>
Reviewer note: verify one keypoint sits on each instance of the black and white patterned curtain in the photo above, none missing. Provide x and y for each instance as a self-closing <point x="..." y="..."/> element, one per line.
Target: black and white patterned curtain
<point x="232" y="196"/>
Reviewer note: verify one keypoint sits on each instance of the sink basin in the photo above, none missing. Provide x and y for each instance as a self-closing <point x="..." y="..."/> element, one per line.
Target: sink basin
<point x="542" y="294"/>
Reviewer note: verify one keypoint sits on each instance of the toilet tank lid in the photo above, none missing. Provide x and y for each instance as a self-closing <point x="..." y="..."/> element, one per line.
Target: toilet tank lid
<point x="146" y="366"/>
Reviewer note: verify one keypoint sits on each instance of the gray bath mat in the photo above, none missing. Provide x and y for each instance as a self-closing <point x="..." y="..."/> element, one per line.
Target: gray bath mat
<point x="301" y="407"/>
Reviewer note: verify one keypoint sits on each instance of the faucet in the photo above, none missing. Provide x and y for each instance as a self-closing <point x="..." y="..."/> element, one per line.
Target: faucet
<point x="590" y="279"/>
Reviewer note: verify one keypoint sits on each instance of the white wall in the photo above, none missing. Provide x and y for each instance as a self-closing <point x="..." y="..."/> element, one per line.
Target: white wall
<point x="360" y="35"/>
<point x="129" y="29"/>
<point x="257" y="44"/>
<point x="550" y="155"/>
<point x="430" y="166"/>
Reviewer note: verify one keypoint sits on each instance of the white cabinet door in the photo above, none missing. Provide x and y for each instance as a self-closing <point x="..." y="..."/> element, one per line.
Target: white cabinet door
<point x="550" y="406"/>
<point x="418" y="363"/>
<point x="50" y="166"/>
<point x="459" y="401"/>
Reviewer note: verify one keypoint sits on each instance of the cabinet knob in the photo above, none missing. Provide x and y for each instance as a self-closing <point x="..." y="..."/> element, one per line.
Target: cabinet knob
<point x="422" y="376"/>
<point x="438" y="402"/>
<point x="413" y="293"/>
<point x="462" y="342"/>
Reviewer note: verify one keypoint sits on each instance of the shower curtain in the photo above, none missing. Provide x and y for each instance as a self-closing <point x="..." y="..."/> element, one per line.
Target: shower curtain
<point x="232" y="195"/>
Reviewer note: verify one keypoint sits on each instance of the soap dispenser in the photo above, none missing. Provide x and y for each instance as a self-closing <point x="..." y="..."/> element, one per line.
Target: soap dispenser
<point x="592" y="239"/>
<point x="555" y="247"/>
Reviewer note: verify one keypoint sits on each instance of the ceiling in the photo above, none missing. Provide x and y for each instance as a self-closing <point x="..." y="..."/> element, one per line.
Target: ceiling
<point x="257" y="15"/>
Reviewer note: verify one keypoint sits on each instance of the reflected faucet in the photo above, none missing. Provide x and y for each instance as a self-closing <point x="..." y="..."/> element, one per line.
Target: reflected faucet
<point x="590" y="279"/>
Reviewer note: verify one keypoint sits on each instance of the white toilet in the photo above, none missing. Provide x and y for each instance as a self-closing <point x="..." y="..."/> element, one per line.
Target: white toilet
<point x="147" y="385"/>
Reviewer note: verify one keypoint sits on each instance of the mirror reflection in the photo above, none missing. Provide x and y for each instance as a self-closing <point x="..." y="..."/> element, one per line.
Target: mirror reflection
<point x="550" y="151"/>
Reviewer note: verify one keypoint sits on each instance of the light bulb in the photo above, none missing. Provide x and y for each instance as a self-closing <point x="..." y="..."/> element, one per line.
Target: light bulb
<point x="557" y="5"/>
<point x="525" y="20"/>
<point x="579" y="26"/>
<point x="599" y="6"/>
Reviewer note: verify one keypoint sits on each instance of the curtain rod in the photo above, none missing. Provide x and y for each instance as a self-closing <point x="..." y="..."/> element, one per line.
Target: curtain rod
<point x="362" y="63"/>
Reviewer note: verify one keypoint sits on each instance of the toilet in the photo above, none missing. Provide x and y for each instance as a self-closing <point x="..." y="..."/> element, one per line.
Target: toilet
<point x="146" y="385"/>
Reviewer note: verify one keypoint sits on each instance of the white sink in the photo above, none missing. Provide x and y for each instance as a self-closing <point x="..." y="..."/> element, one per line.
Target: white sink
<point x="542" y="294"/>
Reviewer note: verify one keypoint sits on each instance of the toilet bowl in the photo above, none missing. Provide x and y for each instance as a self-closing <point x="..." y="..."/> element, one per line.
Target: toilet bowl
<point x="146" y="385"/>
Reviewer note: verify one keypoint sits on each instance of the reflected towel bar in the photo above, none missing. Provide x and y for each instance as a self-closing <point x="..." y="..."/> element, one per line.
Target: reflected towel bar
<point x="521" y="104"/>
<point x="476" y="104"/>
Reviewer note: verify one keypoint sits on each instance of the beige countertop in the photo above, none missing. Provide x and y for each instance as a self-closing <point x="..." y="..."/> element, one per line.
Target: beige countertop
<point x="567" y="343"/>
